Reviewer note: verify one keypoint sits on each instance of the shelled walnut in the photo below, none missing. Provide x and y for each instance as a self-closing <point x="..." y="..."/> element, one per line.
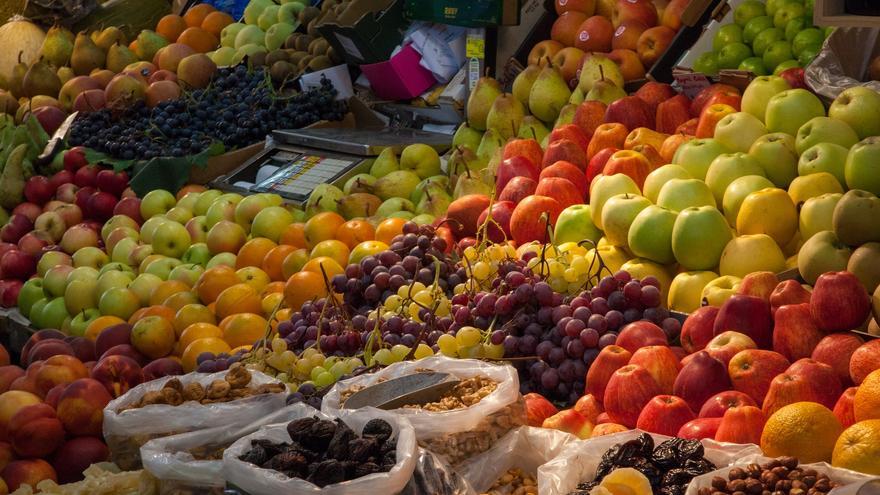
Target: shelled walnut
<point x="514" y="482"/>
<point x="467" y="393"/>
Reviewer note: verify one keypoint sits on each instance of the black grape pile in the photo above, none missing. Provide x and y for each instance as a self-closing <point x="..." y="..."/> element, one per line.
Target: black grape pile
<point x="239" y="108"/>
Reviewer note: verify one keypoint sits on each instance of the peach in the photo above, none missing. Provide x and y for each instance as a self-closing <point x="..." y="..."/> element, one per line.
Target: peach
<point x="118" y="374"/>
<point x="10" y="403"/>
<point x="35" y="431"/>
<point x="83" y="348"/>
<point x="45" y="349"/>
<point x="27" y="472"/>
<point x="53" y="395"/>
<point x="9" y="374"/>
<point x="607" y="429"/>
<point x="27" y="383"/>
<point x="58" y="370"/>
<point x="72" y="458"/>
<point x="81" y="407"/>
<point x="39" y="336"/>
<point x="127" y="351"/>
<point x="6" y="455"/>
<point x="162" y="367"/>
<point x="4" y="356"/>
<point x="112" y="336"/>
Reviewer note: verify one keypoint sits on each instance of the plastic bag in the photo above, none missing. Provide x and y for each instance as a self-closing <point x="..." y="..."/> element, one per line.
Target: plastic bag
<point x="434" y="476"/>
<point x="843" y="61"/>
<point x="461" y="433"/>
<point x="258" y="481"/>
<point x="839" y="475"/>
<point x="126" y="431"/>
<point x="578" y="461"/>
<point x="526" y="448"/>
<point x="66" y="12"/>
<point x="171" y="459"/>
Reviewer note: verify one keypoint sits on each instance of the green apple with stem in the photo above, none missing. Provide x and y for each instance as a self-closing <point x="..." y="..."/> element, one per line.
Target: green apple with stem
<point x="197" y="253"/>
<point x="789" y="110"/>
<point x="156" y="202"/>
<point x="205" y="200"/>
<point x="112" y="279"/>
<point x="725" y="168"/>
<point x="81" y="321"/>
<point x="699" y="237"/>
<point x="50" y="259"/>
<point x="737" y="191"/>
<point x="618" y="214"/>
<point x="696" y="155"/>
<point x="707" y="63"/>
<point x="822" y="253"/>
<point x="575" y="224"/>
<point x="747" y="254"/>
<point x="824" y="157"/>
<point x="81" y="294"/>
<point x="660" y="176"/>
<point x="162" y="267"/>
<point x="650" y="234"/>
<point x="686" y="290"/>
<point x="55" y="280"/>
<point x="758" y="94"/>
<point x="859" y="107"/>
<point x="787" y="12"/>
<point x="825" y="130"/>
<point x="738" y="131"/>
<point x="862" y="168"/>
<point x="604" y="188"/>
<point x="816" y="214"/>
<point x="755" y="65"/>
<point x="122" y="250"/>
<point x="90" y="256"/>
<point x="679" y="194"/>
<point x="171" y="239"/>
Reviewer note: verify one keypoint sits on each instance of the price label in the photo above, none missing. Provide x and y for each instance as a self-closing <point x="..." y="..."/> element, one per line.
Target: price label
<point x="476" y="47"/>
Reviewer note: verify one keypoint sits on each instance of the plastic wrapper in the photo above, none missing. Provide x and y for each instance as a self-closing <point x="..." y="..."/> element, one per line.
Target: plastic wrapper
<point x="126" y="431"/>
<point x="100" y="479"/>
<point x="174" y="463"/>
<point x="839" y="475"/>
<point x="434" y="476"/>
<point x="578" y="460"/>
<point x="843" y="62"/>
<point x="526" y="448"/>
<point x="255" y="480"/>
<point x="457" y="434"/>
<point x="67" y="12"/>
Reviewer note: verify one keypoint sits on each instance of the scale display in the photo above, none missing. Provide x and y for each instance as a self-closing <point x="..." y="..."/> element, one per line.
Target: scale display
<point x="299" y="173"/>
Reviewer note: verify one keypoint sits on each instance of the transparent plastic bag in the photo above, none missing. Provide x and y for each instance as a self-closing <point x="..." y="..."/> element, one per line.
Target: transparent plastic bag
<point x="126" y="431"/>
<point x="840" y="475"/>
<point x="578" y="461"/>
<point x="460" y="433"/>
<point x="172" y="461"/>
<point x="434" y="476"/>
<point x="526" y="448"/>
<point x="255" y="480"/>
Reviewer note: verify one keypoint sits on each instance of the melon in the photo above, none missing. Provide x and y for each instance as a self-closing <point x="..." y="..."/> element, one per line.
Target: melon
<point x="19" y="35"/>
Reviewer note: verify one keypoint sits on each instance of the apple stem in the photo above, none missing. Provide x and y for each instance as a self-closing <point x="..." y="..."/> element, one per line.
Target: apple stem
<point x="534" y="136"/>
<point x="601" y="73"/>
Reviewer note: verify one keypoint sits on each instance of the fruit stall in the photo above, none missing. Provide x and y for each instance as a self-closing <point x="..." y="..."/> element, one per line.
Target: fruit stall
<point x="604" y="247"/>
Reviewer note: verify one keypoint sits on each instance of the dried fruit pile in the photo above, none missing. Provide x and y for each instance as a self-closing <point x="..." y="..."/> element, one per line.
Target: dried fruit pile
<point x="780" y="476"/>
<point x="514" y="482"/>
<point x="467" y="393"/>
<point x="325" y="452"/>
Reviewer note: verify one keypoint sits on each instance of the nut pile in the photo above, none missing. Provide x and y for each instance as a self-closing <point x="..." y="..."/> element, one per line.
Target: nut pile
<point x="233" y="386"/>
<point x="467" y="393"/>
<point x="514" y="482"/>
<point x="326" y="452"/>
<point x="780" y="476"/>
<point x="669" y="467"/>
<point x="210" y="452"/>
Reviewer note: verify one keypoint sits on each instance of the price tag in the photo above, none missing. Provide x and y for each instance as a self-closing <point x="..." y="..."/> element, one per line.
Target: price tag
<point x="691" y="83"/>
<point x="476" y="47"/>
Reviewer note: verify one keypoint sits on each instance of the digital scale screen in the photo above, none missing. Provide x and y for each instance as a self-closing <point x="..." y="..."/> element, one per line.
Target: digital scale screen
<point x="298" y="174"/>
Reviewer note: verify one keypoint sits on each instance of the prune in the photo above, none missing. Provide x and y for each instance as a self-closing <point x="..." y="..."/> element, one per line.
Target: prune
<point x="272" y="449"/>
<point x="338" y="448"/>
<point x="319" y="436"/>
<point x="378" y="428"/>
<point x="650" y="471"/>
<point x="699" y="466"/>
<point x="326" y="473"/>
<point x="288" y="461"/>
<point x="365" y="469"/>
<point x="361" y="449"/>
<point x="300" y="428"/>
<point x="673" y="490"/>
<point x="257" y="455"/>
<point x="676" y="476"/>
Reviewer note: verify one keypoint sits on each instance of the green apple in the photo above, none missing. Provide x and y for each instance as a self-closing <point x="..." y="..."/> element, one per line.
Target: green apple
<point x="618" y="214"/>
<point x="660" y="176"/>
<point x="197" y="253"/>
<point x="575" y="224"/>
<point x="807" y="38"/>
<point x="31" y="292"/>
<point x="727" y="34"/>
<point x="113" y="278"/>
<point x="227" y="259"/>
<point x="686" y="290"/>
<point x="228" y="34"/>
<point x="789" y="110"/>
<point x="784" y="66"/>
<point x="205" y="200"/>
<point x="813" y="185"/>
<point x="179" y="215"/>
<point x="731" y="55"/>
<point x="860" y="108"/>
<point x="139" y="254"/>
<point x="755" y="65"/>
<point x="81" y="294"/>
<point x="822" y="253"/>
<point x="117" y="221"/>
<point x="766" y="38"/>
<point x="725" y="168"/>
<point x="699" y="237"/>
<point x="50" y="259"/>
<point x="794" y="26"/>
<point x="603" y="188"/>
<point x="707" y="63"/>
<point x="856" y="220"/>
<point x="36" y="313"/>
<point x="758" y="94"/>
<point x="187" y="273"/>
<point x="116" y="266"/>
<point x="149" y="227"/>
<point x="83" y="273"/>
<point x="53" y="313"/>
<point x="162" y="267"/>
<point x="825" y="130"/>
<point x="249" y="35"/>
<point x="748" y="10"/>
<point x="421" y="159"/>
<point x="223" y="56"/>
<point x="678" y="194"/>
<point x="118" y="301"/>
<point x="737" y="191"/>
<point x="777" y="156"/>
<point x="90" y="256"/>
<point x="755" y="26"/>
<point x="171" y="239"/>
<point x="696" y="155"/>
<point x="271" y="223"/>
<point x="808" y="54"/>
<point x="143" y="286"/>
<point x="787" y="12"/>
<point x="81" y="321"/>
<point x="862" y="169"/>
<point x="824" y="157"/>
<point x="55" y="280"/>
<point x="738" y="131"/>
<point x="248" y="208"/>
<point x="747" y="254"/>
<point x="650" y="234"/>
<point x="122" y="249"/>
<point x="816" y="214"/>
<point x="156" y="202"/>
<point x="776" y="53"/>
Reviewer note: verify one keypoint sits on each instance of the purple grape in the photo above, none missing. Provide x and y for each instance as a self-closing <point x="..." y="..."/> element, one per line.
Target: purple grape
<point x="574" y="327"/>
<point x="544" y="294"/>
<point x="515" y="279"/>
<point x="503" y="305"/>
<point x="632" y="291"/>
<point x="631" y="315"/>
<point x="560" y="312"/>
<point x="285" y="328"/>
<point x="617" y="301"/>
<point x="614" y="319"/>
<point x="527" y="345"/>
<point x="650" y="280"/>
<point x="543" y="350"/>
<point x="599" y="306"/>
<point x="204" y="356"/>
<point x="497" y="337"/>
<point x="607" y="285"/>
<point x="590" y="356"/>
<point x="557" y="355"/>
<point x="608" y="339"/>
<point x="582" y="313"/>
<point x="550" y="379"/>
<point x="672" y="327"/>
<point x="566" y="371"/>
<point x="650" y="296"/>
<point x="575" y="349"/>
<point x="589" y="337"/>
<point x="511" y="345"/>
<point x="598" y="323"/>
<point x="622" y="276"/>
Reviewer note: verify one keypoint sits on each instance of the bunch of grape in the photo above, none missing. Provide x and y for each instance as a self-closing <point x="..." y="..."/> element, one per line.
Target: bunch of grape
<point x="209" y="362"/>
<point x="239" y="108"/>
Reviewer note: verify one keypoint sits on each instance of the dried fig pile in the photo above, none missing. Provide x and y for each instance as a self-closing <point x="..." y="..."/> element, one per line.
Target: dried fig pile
<point x="325" y="452"/>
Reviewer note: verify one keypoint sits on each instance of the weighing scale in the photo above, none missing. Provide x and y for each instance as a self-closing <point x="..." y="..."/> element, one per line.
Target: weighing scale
<point x="300" y="160"/>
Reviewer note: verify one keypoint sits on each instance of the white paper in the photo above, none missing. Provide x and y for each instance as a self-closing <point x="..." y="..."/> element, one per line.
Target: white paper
<point x="442" y="48"/>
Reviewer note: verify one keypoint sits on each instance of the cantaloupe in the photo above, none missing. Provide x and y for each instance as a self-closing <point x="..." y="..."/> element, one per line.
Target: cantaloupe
<point x="19" y="35"/>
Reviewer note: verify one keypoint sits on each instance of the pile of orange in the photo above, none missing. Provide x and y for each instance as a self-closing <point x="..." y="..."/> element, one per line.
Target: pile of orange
<point x="199" y="28"/>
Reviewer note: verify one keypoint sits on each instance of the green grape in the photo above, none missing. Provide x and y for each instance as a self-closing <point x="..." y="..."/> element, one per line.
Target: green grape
<point x="448" y="345"/>
<point x="353" y="363"/>
<point x="317" y="370"/>
<point x="303" y="367"/>
<point x="473" y="351"/>
<point x="468" y="336"/>
<point x="283" y="377"/>
<point x="311" y="351"/>
<point x="288" y="357"/>
<point x="279" y="346"/>
<point x="317" y="359"/>
<point x="400" y="352"/>
<point x="493" y="351"/>
<point x="392" y="303"/>
<point x="338" y="369"/>
<point x="325" y="379"/>
<point x="383" y="357"/>
<point x="423" y="350"/>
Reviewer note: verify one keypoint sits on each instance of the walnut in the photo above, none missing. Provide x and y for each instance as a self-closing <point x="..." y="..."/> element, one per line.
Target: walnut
<point x="239" y="393"/>
<point x="174" y="384"/>
<point x="194" y="391"/>
<point x="152" y="397"/>
<point x="270" y="388"/>
<point x="218" y="389"/>
<point x="238" y="376"/>
<point x="172" y="397"/>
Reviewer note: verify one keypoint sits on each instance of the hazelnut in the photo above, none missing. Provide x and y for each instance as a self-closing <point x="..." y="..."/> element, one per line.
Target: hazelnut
<point x="823" y="485"/>
<point x="773" y="464"/>
<point x="739" y="493"/>
<point x="780" y="471"/>
<point x="809" y="480"/>
<point x="795" y="474"/>
<point x="811" y="472"/>
<point x="754" y="470"/>
<point x="705" y="491"/>
<point x="789" y="462"/>
<point x="719" y="483"/>
<point x="736" y="486"/>
<point x="769" y="479"/>
<point x="796" y="491"/>
<point x="783" y="485"/>
<point x="754" y="487"/>
<point x="736" y="474"/>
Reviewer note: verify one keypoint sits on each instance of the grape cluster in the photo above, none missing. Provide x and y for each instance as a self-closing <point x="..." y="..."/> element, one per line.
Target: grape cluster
<point x="209" y="362"/>
<point x="238" y="109"/>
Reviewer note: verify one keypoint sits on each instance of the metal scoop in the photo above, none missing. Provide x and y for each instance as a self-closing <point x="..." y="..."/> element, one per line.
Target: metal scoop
<point x="417" y="388"/>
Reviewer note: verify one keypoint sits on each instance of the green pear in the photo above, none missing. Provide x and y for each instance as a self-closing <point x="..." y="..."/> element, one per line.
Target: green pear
<point x="566" y="115"/>
<point x="434" y="203"/>
<point x="254" y="9"/>
<point x="324" y="198"/>
<point x="397" y="184"/>
<point x="597" y="67"/>
<point x="522" y="85"/>
<point x="148" y="43"/>
<point x="57" y="47"/>
<point x="268" y="17"/>
<point x="463" y="158"/>
<point x="421" y="159"/>
<point x="435" y="183"/>
<point x="119" y="57"/>
<point x="577" y="96"/>
<point x="480" y="102"/>
<point x="532" y="128"/>
<point x="358" y="205"/>
<point x="384" y="164"/>
<point x="505" y="115"/>
<point x="359" y="183"/>
<point x="110" y="36"/>
<point x="40" y="79"/>
<point x="549" y="94"/>
<point x="491" y="141"/>
<point x="606" y="91"/>
<point x="471" y="184"/>
<point x="86" y="55"/>
<point x="392" y="205"/>
<point x="466" y="136"/>
<point x="423" y="219"/>
<point x="228" y="34"/>
<point x="17" y="79"/>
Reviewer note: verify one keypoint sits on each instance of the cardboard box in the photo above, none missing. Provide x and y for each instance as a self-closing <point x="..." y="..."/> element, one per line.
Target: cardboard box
<point x="399" y="78"/>
<point x="834" y="13"/>
<point x="367" y="32"/>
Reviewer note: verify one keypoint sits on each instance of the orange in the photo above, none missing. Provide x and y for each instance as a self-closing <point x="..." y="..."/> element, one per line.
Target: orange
<point x="198" y="39"/>
<point x="253" y="252"/>
<point x="190" y="314"/>
<point x="806" y="430"/>
<point x="163" y="311"/>
<point x="216" y="21"/>
<point x="192" y="351"/>
<point x="165" y="290"/>
<point x="294" y="235"/>
<point x="196" y="188"/>
<point x="294" y="262"/>
<point x="253" y="276"/>
<point x="866" y="404"/>
<point x="100" y="323"/>
<point x="858" y="448"/>
<point x="198" y="331"/>
<point x="331" y="248"/>
<point x="179" y="300"/>
<point x="170" y="27"/>
<point x="240" y="298"/>
<point x="214" y="281"/>
<point x="354" y="232"/>
<point x="275" y="259"/>
<point x="322" y="227"/>
<point x="388" y="228"/>
<point x="271" y="301"/>
<point x="196" y="15"/>
<point x="153" y="336"/>
<point x="243" y="329"/>
<point x="303" y="286"/>
<point x="272" y="288"/>
<point x="331" y="266"/>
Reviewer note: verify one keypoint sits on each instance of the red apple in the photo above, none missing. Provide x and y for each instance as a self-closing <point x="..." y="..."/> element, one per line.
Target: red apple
<point x="516" y="166"/>
<point x="752" y="370"/>
<point x="626" y="36"/>
<point x="654" y="93"/>
<point x="598" y="162"/>
<point x="839" y="302"/>
<point x="33" y="242"/>
<point x="82" y="197"/>
<point x="594" y="34"/>
<point x="9" y="290"/>
<point x="653" y="43"/>
<point x="569" y="421"/>
<point x="130" y="207"/>
<point x="640" y="10"/>
<point x="741" y="425"/>
<point x="17" y="226"/>
<point x="698" y="329"/>
<point x="795" y="77"/>
<point x="589" y="407"/>
<point x="18" y="264"/>
<point x="719" y="403"/>
<point x="565" y="150"/>
<point x="671" y="17"/>
<point x="465" y="212"/>
<point x="67" y="192"/>
<point x="836" y="350"/>
<point x="543" y="52"/>
<point x="610" y="359"/>
<point x="570" y="171"/>
<point x="70" y="213"/>
<point x="111" y="181"/>
<point x="562" y="190"/>
<point x="844" y="409"/>
<point x="748" y="315"/>
<point x="568" y="62"/>
<point x="725" y="97"/>
<point x="75" y="158"/>
<point x="699" y="429"/>
<point x="589" y="115"/>
<point x="518" y="189"/>
<point x="727" y="344"/>
<point x="538" y="409"/>
<point x="661" y="363"/>
<point x="566" y="27"/>
<point x="101" y="205"/>
<point x="30" y="210"/>
<point x="528" y="148"/>
<point x="498" y="230"/>
<point x="672" y="113"/>
<point x="86" y="176"/>
<point x="533" y="217"/>
<point x="700" y="378"/>
<point x="50" y="118"/>
<point x="665" y="414"/>
<point x="795" y="334"/>
<point x="631" y="111"/>
<point x="705" y="94"/>
<point x="629" y="390"/>
<point x="38" y="189"/>
<point x="571" y="132"/>
<point x="688" y="128"/>
<point x="710" y="117"/>
<point x="640" y="334"/>
<point x="821" y="377"/>
<point x="788" y="292"/>
<point x="59" y="178"/>
<point x="759" y="284"/>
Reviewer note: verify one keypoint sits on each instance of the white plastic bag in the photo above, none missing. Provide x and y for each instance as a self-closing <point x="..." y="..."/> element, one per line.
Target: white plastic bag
<point x="461" y="433"/>
<point x="840" y="475"/>
<point x="258" y="481"/>
<point x="526" y="448"/>
<point x="578" y="461"/>
<point x="126" y="431"/>
<point x="170" y="460"/>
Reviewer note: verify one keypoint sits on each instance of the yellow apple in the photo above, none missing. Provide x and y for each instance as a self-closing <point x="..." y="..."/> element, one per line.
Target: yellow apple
<point x="247" y="210"/>
<point x="686" y="290"/>
<point x="813" y="185"/>
<point x="816" y="214"/>
<point x="768" y="211"/>
<point x="721" y="289"/>
<point x="613" y="256"/>
<point x="751" y="253"/>
<point x="271" y="222"/>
